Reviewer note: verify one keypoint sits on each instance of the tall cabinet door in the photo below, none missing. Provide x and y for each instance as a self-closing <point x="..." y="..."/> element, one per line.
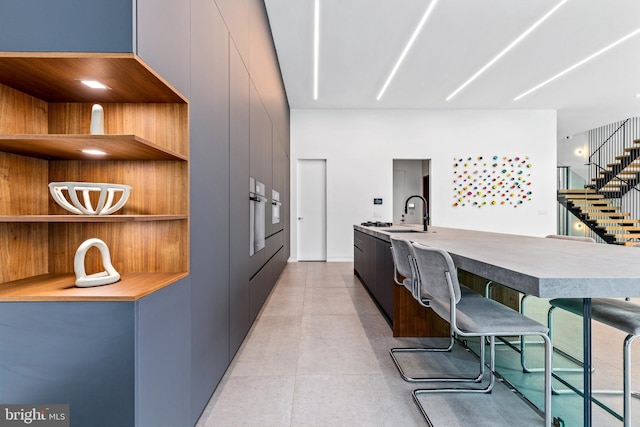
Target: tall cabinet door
<point x="239" y="199"/>
<point x="209" y="124"/>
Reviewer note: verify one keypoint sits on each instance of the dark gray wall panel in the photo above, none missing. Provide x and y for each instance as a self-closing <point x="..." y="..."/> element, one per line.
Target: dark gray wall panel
<point x="80" y="354"/>
<point x="209" y="161"/>
<point x="66" y="25"/>
<point x="163" y="31"/>
<point x="163" y="345"/>
<point x="236" y="16"/>
<point x="265" y="70"/>
<point x="238" y="199"/>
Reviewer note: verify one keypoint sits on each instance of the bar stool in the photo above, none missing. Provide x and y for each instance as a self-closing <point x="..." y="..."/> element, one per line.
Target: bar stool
<point x="404" y="264"/>
<point x="622" y="315"/>
<point x="474" y="317"/>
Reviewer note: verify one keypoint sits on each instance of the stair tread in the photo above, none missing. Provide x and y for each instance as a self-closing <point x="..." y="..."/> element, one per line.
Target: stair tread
<point x="621" y="228"/>
<point x="585" y="196"/>
<point x="576" y="190"/>
<point x="608" y="214"/>
<point x="600" y="204"/>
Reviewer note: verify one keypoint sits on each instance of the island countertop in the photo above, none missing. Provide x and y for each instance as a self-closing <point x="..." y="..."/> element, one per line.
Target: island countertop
<point x="537" y="266"/>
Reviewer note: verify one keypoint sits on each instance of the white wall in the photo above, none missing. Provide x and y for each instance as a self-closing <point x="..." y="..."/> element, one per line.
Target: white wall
<point x="360" y="145"/>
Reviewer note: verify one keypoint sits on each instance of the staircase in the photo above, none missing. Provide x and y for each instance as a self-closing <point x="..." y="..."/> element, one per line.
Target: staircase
<point x="609" y="204"/>
<point x="601" y="216"/>
<point x="620" y="176"/>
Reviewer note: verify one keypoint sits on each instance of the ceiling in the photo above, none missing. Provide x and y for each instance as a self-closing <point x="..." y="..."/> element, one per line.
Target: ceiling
<point x="361" y="40"/>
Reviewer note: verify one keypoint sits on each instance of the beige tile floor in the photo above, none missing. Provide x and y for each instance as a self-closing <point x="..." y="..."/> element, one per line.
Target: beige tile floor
<point x="318" y="356"/>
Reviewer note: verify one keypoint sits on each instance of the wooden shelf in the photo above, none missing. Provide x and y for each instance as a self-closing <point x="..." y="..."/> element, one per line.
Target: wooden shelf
<point x="45" y="114"/>
<point x="61" y="287"/>
<point x="89" y="218"/>
<point x="55" y="77"/>
<point x="69" y="147"/>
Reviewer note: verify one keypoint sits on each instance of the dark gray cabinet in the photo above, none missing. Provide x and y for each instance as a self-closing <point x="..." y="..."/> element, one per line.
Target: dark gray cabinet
<point x="240" y="319"/>
<point x="66" y="26"/>
<point x="257" y="291"/>
<point x="373" y="263"/>
<point x="210" y="216"/>
<point x="163" y="36"/>
<point x="115" y="363"/>
<point x="260" y="149"/>
<point x="384" y="276"/>
<point x="220" y="55"/>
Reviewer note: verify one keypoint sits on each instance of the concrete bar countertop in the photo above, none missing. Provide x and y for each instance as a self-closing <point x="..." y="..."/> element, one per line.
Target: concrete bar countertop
<point x="547" y="268"/>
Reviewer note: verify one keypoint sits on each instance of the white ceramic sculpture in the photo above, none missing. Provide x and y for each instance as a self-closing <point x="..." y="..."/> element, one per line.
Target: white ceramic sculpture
<point x="110" y="275"/>
<point x="97" y="120"/>
<point x="105" y="204"/>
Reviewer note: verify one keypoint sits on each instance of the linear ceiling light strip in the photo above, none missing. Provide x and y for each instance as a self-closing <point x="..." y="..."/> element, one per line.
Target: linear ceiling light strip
<point x="407" y="47"/>
<point x="507" y="49"/>
<point x="316" y="47"/>
<point x="576" y="65"/>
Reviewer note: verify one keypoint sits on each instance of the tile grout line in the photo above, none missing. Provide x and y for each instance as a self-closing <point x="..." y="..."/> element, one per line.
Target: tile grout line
<point x="295" y="376"/>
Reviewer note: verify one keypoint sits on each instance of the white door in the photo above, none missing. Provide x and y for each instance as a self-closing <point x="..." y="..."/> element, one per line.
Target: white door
<point x="312" y="210"/>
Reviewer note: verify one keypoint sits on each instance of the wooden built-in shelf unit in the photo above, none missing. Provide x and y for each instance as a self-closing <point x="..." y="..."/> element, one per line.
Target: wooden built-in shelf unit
<point x="45" y="117"/>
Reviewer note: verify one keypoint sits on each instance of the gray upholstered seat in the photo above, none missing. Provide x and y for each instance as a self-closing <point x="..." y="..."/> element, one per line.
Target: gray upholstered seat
<point x="619" y="314"/>
<point x="404" y="264"/>
<point x="482" y="315"/>
<point x="471" y="316"/>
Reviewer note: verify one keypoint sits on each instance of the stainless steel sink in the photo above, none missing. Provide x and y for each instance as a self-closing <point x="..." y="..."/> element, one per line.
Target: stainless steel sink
<point x="404" y="231"/>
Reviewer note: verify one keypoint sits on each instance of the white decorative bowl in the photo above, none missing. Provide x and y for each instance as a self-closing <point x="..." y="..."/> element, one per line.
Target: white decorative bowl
<point x="105" y="204"/>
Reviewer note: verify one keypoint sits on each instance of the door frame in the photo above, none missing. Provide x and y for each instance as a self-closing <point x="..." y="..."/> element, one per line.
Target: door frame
<point x="297" y="217"/>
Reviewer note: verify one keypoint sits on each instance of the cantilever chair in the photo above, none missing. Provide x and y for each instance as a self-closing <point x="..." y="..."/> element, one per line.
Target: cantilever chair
<point x="404" y="264"/>
<point x="474" y="317"/>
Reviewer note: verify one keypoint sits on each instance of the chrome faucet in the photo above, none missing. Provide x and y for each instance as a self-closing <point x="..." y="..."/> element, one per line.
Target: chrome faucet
<point x="426" y="214"/>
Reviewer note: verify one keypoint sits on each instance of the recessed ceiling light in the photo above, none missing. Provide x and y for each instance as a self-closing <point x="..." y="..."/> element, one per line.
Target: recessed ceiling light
<point x="407" y="47"/>
<point x="507" y="49"/>
<point x="94" y="152"/>
<point x="94" y="84"/>
<point x="637" y="95"/>
<point x="576" y="65"/>
<point x="316" y="47"/>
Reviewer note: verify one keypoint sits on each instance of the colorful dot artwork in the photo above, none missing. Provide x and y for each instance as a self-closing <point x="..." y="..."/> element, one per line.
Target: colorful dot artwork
<point x="495" y="181"/>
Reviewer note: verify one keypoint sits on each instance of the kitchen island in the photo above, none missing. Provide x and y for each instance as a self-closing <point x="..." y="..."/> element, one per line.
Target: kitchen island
<point x="547" y="268"/>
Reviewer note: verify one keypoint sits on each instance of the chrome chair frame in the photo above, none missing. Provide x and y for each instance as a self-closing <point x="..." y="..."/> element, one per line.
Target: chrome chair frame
<point x="452" y="283"/>
<point x="424" y="300"/>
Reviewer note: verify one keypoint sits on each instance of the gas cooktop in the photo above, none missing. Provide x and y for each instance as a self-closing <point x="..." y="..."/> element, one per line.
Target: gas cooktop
<point x="376" y="224"/>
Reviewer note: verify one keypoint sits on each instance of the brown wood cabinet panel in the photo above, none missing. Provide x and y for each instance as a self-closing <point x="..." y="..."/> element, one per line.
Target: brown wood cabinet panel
<point x="60" y="287"/>
<point x="410" y="319"/>
<point x="21" y="251"/>
<point x="163" y="124"/>
<point x="149" y="236"/>
<point x="135" y="247"/>
<point x="55" y="77"/>
<point x="21" y="113"/>
<point x="23" y="185"/>
<point x="158" y="187"/>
